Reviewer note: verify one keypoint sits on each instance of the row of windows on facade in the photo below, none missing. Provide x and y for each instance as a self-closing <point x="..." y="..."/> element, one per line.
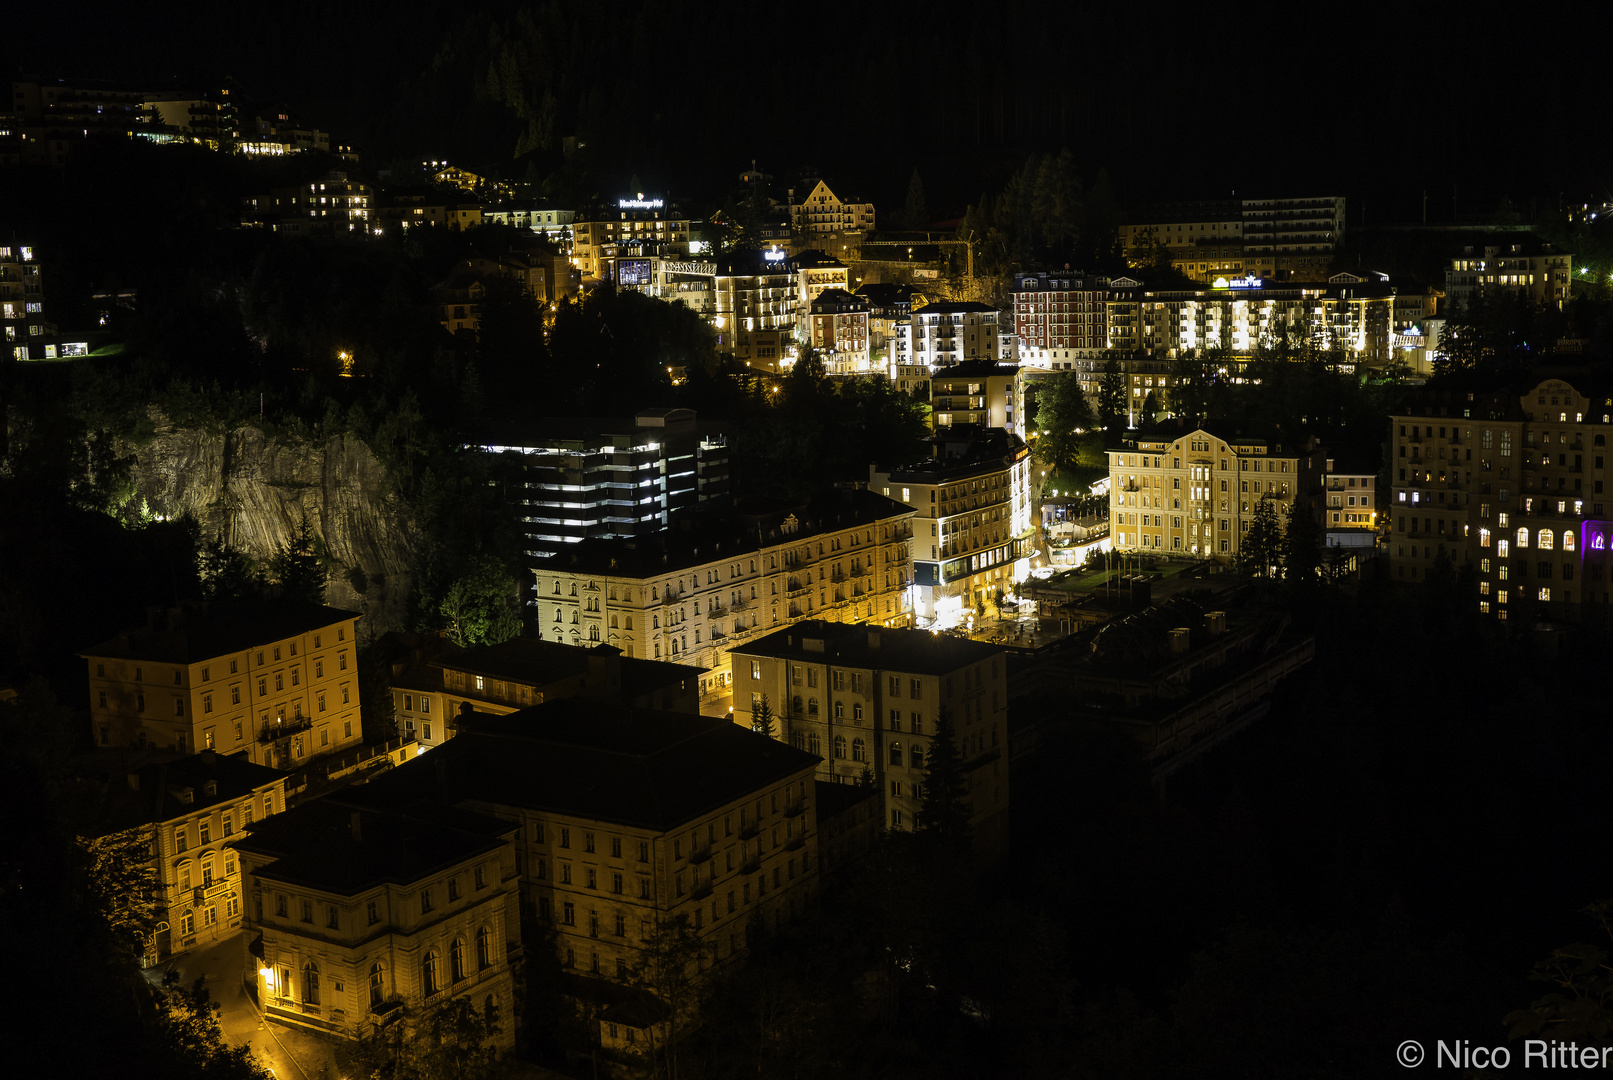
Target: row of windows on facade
<point x="431" y="981"/>
<point x="204" y="827"/>
<point x="734" y="899"/>
<point x="372" y="908"/>
<point x="539" y="831"/>
<point x="209" y="913"/>
<point x="812" y="743"/>
<point x="207" y="671"/>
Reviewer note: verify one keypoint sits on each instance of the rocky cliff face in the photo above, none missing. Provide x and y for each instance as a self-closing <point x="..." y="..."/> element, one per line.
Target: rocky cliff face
<point x="254" y="491"/>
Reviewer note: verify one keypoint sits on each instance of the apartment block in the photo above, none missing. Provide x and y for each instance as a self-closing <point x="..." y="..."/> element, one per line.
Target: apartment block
<point x="586" y="478"/>
<point x="1512" y="485"/>
<point x="866" y="700"/>
<point x="1196" y="494"/>
<point x="838" y="328"/>
<point x="1510" y="264"/>
<point x="972" y="523"/>
<point x="709" y="581"/>
<point x="275" y="681"/>
<point x="954" y="332"/>
<point x="632" y="226"/>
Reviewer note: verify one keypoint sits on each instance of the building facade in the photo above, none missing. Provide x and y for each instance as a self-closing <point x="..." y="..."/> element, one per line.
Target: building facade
<point x="372" y="917"/>
<point x="972" y="522"/>
<point x="632" y="227"/>
<point x="691" y="594"/>
<point x="577" y="479"/>
<point x="1513" y="486"/>
<point x="1057" y="313"/>
<point x="1196" y="494"/>
<point x="273" y="681"/>
<point x="22" y="303"/>
<point x="1510" y="264"/>
<point x="866" y="701"/>
<point x="188" y="814"/>
<point x="975" y="393"/>
<point x="838" y="329"/>
<point x="953" y="332"/>
<point x="757" y="307"/>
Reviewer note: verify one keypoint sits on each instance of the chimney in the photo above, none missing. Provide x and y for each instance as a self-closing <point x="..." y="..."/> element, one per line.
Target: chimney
<point x="873" y="638"/>
<point x="134" y="781"/>
<point x="355" y="826"/>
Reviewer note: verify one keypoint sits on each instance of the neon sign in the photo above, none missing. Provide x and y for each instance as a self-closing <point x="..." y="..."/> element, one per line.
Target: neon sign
<point x="773" y="255"/>
<point x="1250" y="282"/>
<point x="640" y="203"/>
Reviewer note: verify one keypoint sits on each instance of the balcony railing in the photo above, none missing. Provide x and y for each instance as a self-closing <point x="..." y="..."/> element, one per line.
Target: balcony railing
<point x="700" y="855"/>
<point x="284" y="726"/>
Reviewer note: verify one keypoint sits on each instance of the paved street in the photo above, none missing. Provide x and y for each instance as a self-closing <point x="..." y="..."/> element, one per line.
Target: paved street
<point x="289" y="1055"/>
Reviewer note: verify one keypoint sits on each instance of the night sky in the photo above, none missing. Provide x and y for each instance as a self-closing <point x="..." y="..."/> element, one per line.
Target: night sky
<point x="1294" y="99"/>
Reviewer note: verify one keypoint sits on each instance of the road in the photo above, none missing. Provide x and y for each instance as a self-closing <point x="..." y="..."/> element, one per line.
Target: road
<point x="286" y="1053"/>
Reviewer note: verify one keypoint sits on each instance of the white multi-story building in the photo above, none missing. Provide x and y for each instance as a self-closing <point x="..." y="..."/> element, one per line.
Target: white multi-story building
<point x="953" y="332"/>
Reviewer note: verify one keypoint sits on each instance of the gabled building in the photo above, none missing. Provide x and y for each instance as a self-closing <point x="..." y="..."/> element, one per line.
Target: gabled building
<point x="866" y="700"/>
<point x="273" y="680"/>
<point x="188" y="814"/>
<point x="370" y="917"/>
<point x="825" y="220"/>
<point x="1196" y="493"/>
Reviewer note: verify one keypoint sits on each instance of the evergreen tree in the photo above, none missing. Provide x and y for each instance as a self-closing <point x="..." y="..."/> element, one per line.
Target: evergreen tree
<point x="1112" y="397"/>
<point x="1260" y="550"/>
<point x="226" y="573"/>
<point x="915" y="213"/>
<point x="298" y="567"/>
<point x="1302" y="562"/>
<point x="668" y="967"/>
<point x="943" y="810"/>
<point x="761" y="718"/>
<point x="1061" y="412"/>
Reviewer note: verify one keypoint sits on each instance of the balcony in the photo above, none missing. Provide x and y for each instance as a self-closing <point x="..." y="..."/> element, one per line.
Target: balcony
<point x="282" y="727"/>
<point x="701" y="891"/>
<point x="751" y="864"/>
<point x="746" y="832"/>
<point x="794" y="809"/>
<point x="700" y="855"/>
<point x="796" y="842"/>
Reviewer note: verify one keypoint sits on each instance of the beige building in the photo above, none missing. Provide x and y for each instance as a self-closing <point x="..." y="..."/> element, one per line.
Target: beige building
<point x="636" y="227"/>
<point x="694" y="590"/>
<point x="757" y="305"/>
<point x="976" y="392"/>
<point x="972" y="521"/>
<point x="866" y="700"/>
<point x="822" y="219"/>
<point x="373" y="916"/>
<point x="188" y="813"/>
<point x="437" y="681"/>
<point x="1195" y="495"/>
<point x="616" y="838"/>
<point x="838" y="328"/>
<point x="1352" y="501"/>
<point x="275" y="681"/>
<point x="1512" y="485"/>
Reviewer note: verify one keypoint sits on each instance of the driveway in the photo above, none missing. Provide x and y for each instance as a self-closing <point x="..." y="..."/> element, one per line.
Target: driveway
<point x="288" y="1054"/>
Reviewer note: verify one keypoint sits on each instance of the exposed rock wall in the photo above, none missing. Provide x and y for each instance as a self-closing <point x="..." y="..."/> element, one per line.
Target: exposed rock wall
<point x="254" y="491"/>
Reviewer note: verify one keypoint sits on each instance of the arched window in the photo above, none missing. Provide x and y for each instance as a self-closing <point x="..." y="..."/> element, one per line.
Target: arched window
<point x="431" y="973"/>
<point x="1545" y="540"/>
<point x="915" y="756"/>
<point x="310" y="983"/>
<point x="377" y="985"/>
<point x="840" y="746"/>
<point x="896" y="753"/>
<point x="795" y="705"/>
<point x="1568" y="539"/>
<point x="456" y="959"/>
<point x="812" y="706"/>
<point x="814" y="744"/>
<point x="859" y="752"/>
<point x="1523" y="538"/>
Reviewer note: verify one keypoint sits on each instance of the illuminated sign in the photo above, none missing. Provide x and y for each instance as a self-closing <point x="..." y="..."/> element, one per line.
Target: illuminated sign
<point x="633" y="272"/>
<point x="1250" y="282"/>
<point x="704" y="269"/>
<point x="773" y="255"/>
<point x="640" y="203"/>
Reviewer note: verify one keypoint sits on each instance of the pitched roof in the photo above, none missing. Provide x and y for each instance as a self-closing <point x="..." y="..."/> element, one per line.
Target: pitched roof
<point x="203" y="631"/>
<point x="337" y="846"/>
<point x="858" y="645"/>
<point x="615" y="763"/>
<point x="165" y="791"/>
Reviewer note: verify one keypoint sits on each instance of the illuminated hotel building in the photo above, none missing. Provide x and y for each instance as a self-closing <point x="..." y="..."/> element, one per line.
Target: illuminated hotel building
<point x="1510" y="264"/>
<point x="275" y="681"/>
<point x="582" y="478"/>
<point x="825" y="221"/>
<point x="953" y="332"/>
<point x="1512" y="486"/>
<point x="692" y="591"/>
<point x="1287" y="239"/>
<point x="1196" y="494"/>
<point x="972" y="521"/>
<point x="632" y="227"/>
<point x="838" y="328"/>
<point x="866" y="699"/>
<point x="1060" y="317"/>
<point x="758" y="302"/>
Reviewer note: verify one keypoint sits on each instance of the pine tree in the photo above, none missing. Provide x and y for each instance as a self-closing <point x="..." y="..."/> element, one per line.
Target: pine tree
<point x="225" y="572"/>
<point x="943" y="809"/>
<point x="1261" y="547"/>
<point x="1112" y="397"/>
<point x="1302" y="562"/>
<point x="915" y="213"/>
<point x="761" y="718"/>
<point x="298" y="568"/>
